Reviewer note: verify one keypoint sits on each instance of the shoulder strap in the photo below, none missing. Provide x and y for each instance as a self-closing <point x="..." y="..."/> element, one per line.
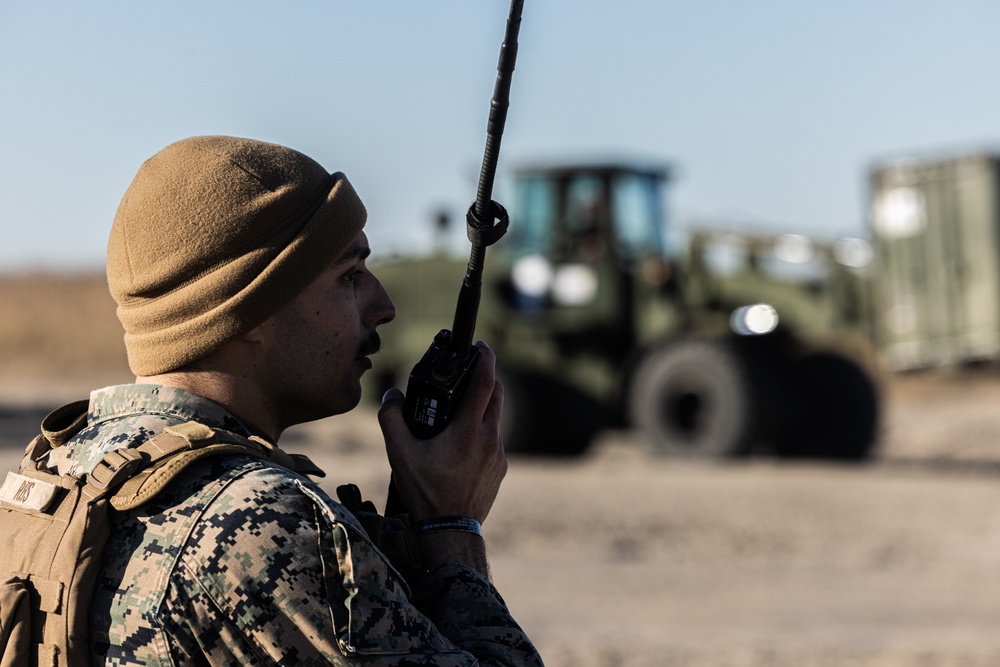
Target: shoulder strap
<point x="142" y="472"/>
<point x="165" y="455"/>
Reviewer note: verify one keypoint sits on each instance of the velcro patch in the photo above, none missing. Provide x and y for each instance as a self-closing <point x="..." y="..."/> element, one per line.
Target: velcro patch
<point x="32" y="494"/>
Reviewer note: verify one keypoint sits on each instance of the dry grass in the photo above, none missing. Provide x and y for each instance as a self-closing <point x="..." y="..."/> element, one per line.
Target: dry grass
<point x="59" y="326"/>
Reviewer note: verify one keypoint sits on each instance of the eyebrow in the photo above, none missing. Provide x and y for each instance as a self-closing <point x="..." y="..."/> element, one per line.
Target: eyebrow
<point x="355" y="252"/>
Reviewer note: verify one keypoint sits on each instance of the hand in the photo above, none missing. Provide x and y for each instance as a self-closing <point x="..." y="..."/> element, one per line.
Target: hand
<point x="458" y="471"/>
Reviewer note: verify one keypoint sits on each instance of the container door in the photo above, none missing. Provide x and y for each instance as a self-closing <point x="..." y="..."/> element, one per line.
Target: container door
<point x="936" y="279"/>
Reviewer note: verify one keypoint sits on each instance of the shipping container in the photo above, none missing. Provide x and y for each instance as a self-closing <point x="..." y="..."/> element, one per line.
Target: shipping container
<point x="936" y="292"/>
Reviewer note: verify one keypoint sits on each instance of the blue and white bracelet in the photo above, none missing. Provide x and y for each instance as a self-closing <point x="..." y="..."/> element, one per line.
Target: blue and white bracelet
<point x="440" y="524"/>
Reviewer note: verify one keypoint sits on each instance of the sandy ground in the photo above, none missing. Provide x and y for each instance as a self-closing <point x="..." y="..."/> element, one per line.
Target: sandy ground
<point x="622" y="559"/>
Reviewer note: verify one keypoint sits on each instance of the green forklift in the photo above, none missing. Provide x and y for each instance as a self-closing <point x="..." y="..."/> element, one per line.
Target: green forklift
<point x="717" y="344"/>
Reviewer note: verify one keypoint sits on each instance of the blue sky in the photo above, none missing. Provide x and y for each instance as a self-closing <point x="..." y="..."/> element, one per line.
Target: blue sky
<point x="771" y="112"/>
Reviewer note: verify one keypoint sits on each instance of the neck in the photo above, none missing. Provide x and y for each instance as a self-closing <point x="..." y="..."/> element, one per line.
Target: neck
<point x="238" y="398"/>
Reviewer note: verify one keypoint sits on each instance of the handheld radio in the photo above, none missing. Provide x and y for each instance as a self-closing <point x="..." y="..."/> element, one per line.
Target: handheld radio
<point x="439" y="379"/>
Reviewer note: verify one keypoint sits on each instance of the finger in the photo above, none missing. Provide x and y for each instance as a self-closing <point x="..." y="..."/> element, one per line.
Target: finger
<point x="390" y="416"/>
<point x="494" y="410"/>
<point x="481" y="384"/>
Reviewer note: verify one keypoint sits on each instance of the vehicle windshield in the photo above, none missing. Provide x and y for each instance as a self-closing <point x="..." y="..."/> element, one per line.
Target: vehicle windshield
<point x="556" y="213"/>
<point x="533" y="216"/>
<point x="638" y="214"/>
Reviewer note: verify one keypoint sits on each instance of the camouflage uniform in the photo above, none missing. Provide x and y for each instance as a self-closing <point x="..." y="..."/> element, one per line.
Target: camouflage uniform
<point x="239" y="561"/>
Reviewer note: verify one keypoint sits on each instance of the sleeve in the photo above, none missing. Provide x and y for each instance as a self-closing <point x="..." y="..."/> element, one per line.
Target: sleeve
<point x="277" y="573"/>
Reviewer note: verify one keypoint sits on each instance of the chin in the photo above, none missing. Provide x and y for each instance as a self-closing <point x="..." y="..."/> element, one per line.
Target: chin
<point x="352" y="399"/>
<point x="337" y="404"/>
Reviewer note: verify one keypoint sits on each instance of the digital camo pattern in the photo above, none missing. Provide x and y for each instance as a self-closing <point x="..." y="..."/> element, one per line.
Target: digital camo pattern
<point x="128" y="415"/>
<point x="239" y="561"/>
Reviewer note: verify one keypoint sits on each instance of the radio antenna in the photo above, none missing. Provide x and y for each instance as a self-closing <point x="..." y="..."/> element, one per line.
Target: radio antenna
<point x="486" y="220"/>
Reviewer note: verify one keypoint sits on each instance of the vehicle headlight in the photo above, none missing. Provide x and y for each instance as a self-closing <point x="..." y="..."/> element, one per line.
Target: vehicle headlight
<point x="755" y="320"/>
<point x="574" y="285"/>
<point x="532" y="276"/>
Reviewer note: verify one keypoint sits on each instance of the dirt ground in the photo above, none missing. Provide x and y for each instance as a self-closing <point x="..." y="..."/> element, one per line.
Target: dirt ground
<point x="623" y="559"/>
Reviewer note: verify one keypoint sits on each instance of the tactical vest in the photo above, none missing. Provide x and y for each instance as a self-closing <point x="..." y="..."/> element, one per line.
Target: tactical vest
<point x="53" y="527"/>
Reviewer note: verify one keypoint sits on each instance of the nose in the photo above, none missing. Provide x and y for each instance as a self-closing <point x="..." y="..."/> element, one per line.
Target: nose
<point x="381" y="309"/>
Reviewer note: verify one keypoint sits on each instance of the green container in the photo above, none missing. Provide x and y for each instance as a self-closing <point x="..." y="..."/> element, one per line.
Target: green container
<point x="936" y="291"/>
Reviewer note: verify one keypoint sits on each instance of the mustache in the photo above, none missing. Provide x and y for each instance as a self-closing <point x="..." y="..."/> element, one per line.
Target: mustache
<point x="370" y="345"/>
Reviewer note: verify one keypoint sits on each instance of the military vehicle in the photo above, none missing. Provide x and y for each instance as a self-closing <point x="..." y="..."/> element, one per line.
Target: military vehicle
<point x="936" y="235"/>
<point x="722" y="344"/>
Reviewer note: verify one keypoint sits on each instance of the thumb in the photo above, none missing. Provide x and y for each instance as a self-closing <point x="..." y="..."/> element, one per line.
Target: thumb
<point x="391" y="394"/>
<point x="390" y="414"/>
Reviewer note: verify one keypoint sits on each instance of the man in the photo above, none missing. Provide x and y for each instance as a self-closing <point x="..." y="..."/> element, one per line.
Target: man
<point x="239" y="271"/>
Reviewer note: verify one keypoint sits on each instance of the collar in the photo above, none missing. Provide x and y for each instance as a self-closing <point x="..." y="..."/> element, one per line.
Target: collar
<point x="129" y="400"/>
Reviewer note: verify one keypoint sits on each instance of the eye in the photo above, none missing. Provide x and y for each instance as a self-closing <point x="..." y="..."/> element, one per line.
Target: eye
<point x="351" y="276"/>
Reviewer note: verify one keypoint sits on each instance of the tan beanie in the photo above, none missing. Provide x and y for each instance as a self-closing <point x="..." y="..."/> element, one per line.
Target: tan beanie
<point x="214" y="235"/>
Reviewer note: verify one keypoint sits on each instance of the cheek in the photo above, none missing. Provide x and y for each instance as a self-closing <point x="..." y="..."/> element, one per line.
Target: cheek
<point x="335" y="328"/>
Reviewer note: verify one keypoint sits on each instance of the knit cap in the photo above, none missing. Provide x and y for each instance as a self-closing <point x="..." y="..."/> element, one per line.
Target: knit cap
<point x="216" y="234"/>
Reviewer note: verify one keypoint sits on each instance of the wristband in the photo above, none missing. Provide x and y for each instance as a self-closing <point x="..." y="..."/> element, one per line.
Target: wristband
<point x="440" y="524"/>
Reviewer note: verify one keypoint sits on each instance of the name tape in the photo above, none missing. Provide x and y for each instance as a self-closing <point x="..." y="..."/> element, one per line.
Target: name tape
<point x="32" y="494"/>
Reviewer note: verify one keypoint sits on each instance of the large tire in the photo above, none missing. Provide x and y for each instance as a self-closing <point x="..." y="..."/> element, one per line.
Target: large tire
<point x="543" y="416"/>
<point x="836" y="407"/>
<point x="694" y="398"/>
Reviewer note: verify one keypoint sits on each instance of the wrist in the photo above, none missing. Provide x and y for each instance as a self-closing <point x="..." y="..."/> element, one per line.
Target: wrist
<point x="449" y="524"/>
<point x="451" y="546"/>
